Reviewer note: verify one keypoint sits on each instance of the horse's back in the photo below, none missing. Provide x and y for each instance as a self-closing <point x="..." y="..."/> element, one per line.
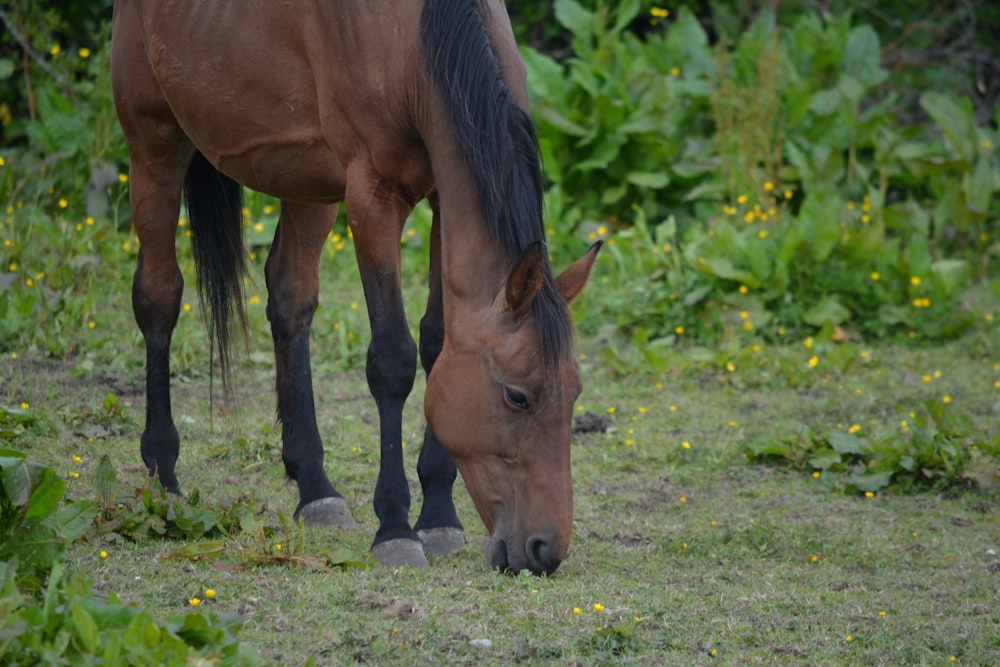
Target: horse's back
<point x="281" y="97"/>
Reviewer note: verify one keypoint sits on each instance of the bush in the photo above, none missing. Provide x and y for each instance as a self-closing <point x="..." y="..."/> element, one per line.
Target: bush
<point x="768" y="184"/>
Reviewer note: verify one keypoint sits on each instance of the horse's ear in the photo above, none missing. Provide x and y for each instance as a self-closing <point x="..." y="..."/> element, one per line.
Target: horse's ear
<point x="574" y="278"/>
<point x="525" y="279"/>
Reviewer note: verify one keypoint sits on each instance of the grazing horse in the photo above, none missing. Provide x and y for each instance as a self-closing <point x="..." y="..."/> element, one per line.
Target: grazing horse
<point x="377" y="104"/>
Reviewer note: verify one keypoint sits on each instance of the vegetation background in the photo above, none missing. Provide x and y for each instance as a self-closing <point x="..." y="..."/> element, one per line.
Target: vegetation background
<point x="797" y="197"/>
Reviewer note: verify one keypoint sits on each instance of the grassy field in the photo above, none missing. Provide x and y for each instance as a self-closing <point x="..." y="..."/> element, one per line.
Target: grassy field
<point x="682" y="554"/>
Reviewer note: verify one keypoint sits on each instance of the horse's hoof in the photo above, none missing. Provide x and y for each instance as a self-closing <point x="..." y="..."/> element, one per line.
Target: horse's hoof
<point x="442" y="541"/>
<point x="326" y="512"/>
<point x="400" y="552"/>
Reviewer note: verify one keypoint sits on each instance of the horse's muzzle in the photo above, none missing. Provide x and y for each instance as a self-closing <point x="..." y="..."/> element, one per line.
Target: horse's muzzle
<point x="538" y="554"/>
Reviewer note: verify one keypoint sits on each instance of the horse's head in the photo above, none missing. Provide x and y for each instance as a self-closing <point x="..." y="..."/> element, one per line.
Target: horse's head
<point x="504" y="412"/>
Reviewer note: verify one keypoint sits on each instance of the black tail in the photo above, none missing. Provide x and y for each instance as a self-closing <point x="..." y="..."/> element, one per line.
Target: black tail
<point x="215" y="211"/>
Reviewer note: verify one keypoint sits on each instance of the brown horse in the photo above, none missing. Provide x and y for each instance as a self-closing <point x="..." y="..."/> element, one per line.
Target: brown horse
<point x="376" y="104"/>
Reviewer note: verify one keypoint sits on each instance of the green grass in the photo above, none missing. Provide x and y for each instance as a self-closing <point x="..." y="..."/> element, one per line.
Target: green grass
<point x="688" y="550"/>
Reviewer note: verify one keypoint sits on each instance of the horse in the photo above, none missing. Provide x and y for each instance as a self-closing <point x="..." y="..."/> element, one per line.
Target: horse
<point x="376" y="105"/>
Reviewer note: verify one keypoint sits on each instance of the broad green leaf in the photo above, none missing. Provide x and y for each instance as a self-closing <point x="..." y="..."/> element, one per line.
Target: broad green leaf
<point x="625" y="13"/>
<point x="956" y="120"/>
<point x="698" y="294"/>
<point x="873" y="481"/>
<point x="825" y="102"/>
<point x="545" y="76"/>
<point x="980" y="187"/>
<point x="582" y="73"/>
<point x="824" y="460"/>
<point x="852" y="91"/>
<point x="199" y="550"/>
<point x="73" y="519"/>
<point x="723" y="268"/>
<point x="862" y="57"/>
<point x="561" y="123"/>
<point x="829" y="309"/>
<point x="142" y="631"/>
<point x="20" y="477"/>
<point x="953" y="273"/>
<point x="603" y="152"/>
<point x="87" y="632"/>
<point x="845" y="443"/>
<point x="768" y="448"/>
<point x="645" y="179"/>
<point x="45" y="497"/>
<point x="917" y="256"/>
<point x="687" y="42"/>
<point x="820" y="222"/>
<point x="574" y="17"/>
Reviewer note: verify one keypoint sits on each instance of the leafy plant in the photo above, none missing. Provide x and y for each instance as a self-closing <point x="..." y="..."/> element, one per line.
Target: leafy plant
<point x="47" y="617"/>
<point x="35" y="525"/>
<point x="802" y="203"/>
<point x="931" y="450"/>
<point x="67" y="624"/>
<point x="615" y="640"/>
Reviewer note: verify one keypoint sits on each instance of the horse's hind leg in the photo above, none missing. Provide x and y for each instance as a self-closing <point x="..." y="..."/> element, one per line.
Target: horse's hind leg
<point x="159" y="153"/>
<point x="438" y="526"/>
<point x="292" y="273"/>
<point x="376" y="222"/>
<point x="156" y="300"/>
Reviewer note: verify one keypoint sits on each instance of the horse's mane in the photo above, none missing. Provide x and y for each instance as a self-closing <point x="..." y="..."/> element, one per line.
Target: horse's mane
<point x="497" y="141"/>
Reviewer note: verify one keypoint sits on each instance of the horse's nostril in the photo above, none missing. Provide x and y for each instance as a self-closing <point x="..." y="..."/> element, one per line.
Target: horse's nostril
<point x="542" y="558"/>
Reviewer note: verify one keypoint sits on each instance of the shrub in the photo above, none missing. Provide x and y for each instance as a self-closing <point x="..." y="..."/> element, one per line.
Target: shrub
<point x="766" y="184"/>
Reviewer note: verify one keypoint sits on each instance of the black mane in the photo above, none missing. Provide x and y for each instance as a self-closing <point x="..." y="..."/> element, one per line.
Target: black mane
<point x="497" y="141"/>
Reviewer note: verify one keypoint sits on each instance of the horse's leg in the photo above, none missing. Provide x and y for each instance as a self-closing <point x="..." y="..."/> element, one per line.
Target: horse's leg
<point x="156" y="178"/>
<point x="376" y="223"/>
<point x="292" y="275"/>
<point x="438" y="527"/>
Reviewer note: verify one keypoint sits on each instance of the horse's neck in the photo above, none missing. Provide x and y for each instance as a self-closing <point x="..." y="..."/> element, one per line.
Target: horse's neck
<point x="473" y="265"/>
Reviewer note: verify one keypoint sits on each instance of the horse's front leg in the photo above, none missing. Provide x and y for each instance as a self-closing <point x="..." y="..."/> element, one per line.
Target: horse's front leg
<point x="292" y="274"/>
<point x="376" y="224"/>
<point x="438" y="526"/>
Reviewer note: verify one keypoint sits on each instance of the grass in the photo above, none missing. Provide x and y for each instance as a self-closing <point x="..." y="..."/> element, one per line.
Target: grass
<point x="691" y="555"/>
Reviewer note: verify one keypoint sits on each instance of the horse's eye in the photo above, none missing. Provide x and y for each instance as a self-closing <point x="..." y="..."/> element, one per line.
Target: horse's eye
<point x="515" y="398"/>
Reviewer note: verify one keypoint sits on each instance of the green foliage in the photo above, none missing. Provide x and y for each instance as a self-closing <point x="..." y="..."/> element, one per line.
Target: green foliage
<point x="932" y="449"/>
<point x="771" y="177"/>
<point x="49" y="618"/>
<point x="152" y="512"/>
<point x="66" y="624"/>
<point x="35" y="526"/>
<point x="15" y="422"/>
<point x="613" y="640"/>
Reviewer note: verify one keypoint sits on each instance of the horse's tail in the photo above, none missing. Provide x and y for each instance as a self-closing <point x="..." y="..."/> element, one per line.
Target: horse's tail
<point x="215" y="212"/>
